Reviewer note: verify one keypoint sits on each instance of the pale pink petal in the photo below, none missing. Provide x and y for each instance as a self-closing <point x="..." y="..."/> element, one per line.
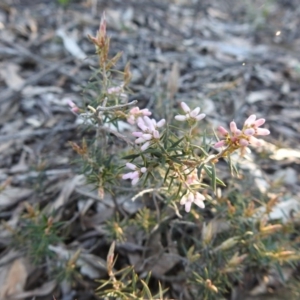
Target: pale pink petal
<point x="249" y="131"/>
<point x="71" y="103"/>
<point x="185" y="107"/>
<point x="244" y="142"/>
<point x="233" y="127"/>
<point x="143" y="170"/>
<point x="137" y="134"/>
<point x="254" y="141"/>
<point x="135" y="174"/>
<point x="262" y="131"/>
<point x="259" y="122"/>
<point x="149" y="123"/>
<point x="183" y="200"/>
<point x="135" y="180"/>
<point x="127" y="175"/>
<point x="220" y="144"/>
<point x="191" y="197"/>
<point x="140" y="140"/>
<point x="250" y="120"/>
<point x="188" y="205"/>
<point x="156" y="134"/>
<point x="147" y="136"/>
<point x="161" y="123"/>
<point x="238" y="132"/>
<point x="134" y="110"/>
<point x="222" y="130"/>
<point x="200" y="117"/>
<point x="200" y="196"/>
<point x="180" y="118"/>
<point x="131" y="120"/>
<point x="142" y="125"/>
<point x="199" y="201"/>
<point x="131" y="166"/>
<point x="146" y="112"/>
<point x="195" y="112"/>
<point x="145" y="146"/>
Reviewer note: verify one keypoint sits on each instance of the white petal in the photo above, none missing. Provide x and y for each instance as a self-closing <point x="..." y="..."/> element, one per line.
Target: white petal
<point x="200" y="117"/>
<point x="250" y="120"/>
<point x="137" y="134"/>
<point x="195" y="112"/>
<point x="131" y="166"/>
<point x="262" y="131"/>
<point x="127" y="175"/>
<point x="183" y="200"/>
<point x="180" y="118"/>
<point x="161" y="123"/>
<point x="135" y="180"/>
<point x="254" y="141"/>
<point x="199" y="203"/>
<point x="149" y="123"/>
<point x="188" y="206"/>
<point x="185" y="107"/>
<point x="147" y="136"/>
<point x="156" y="134"/>
<point x="140" y="140"/>
<point x="145" y="146"/>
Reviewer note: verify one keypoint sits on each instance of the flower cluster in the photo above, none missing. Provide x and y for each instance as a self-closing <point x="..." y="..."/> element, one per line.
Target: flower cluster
<point x="135" y="175"/>
<point x="136" y="113"/>
<point x="192" y="116"/>
<point x="191" y="178"/>
<point x="117" y="91"/>
<point x="149" y="133"/>
<point x="242" y="138"/>
<point x="192" y="197"/>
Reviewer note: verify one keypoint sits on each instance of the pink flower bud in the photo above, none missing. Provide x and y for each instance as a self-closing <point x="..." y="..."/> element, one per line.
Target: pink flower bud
<point x="244" y="143"/>
<point x="262" y="131"/>
<point x="220" y="144"/>
<point x="134" y="110"/>
<point x="137" y="134"/>
<point x="146" y="112"/>
<point x="147" y="136"/>
<point x="222" y="131"/>
<point x="259" y="122"/>
<point x="156" y="134"/>
<point x="233" y="127"/>
<point x="249" y="131"/>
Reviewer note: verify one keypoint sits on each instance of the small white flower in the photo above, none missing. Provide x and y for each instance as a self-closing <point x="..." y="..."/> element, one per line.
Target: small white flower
<point x="135" y="175"/>
<point x="189" y="115"/>
<point x="190" y="198"/>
